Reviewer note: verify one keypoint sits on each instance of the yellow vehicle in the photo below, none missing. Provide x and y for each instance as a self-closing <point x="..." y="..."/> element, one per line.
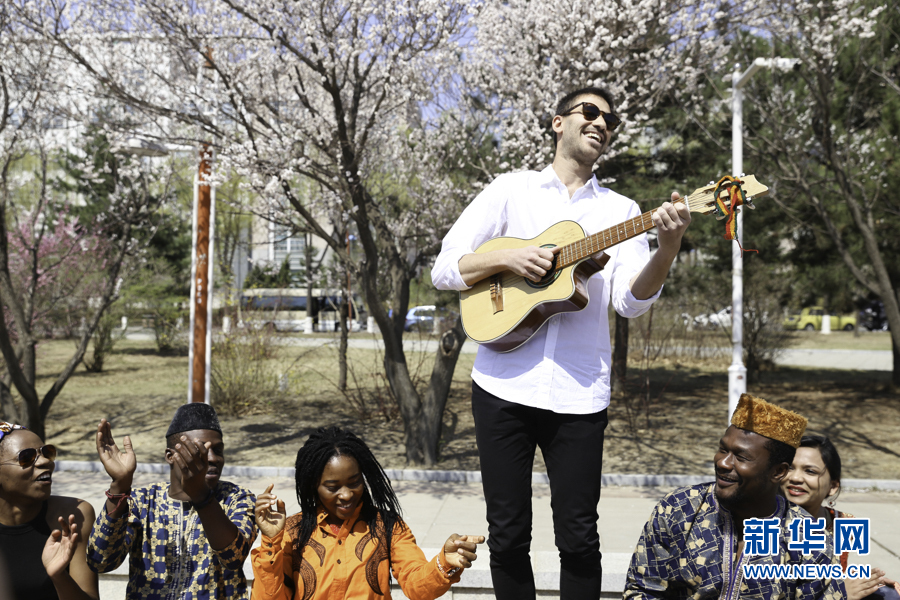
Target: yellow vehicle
<point x="810" y="319"/>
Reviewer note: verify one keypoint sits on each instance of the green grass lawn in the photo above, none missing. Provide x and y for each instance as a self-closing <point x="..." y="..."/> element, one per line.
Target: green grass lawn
<point x="670" y="415"/>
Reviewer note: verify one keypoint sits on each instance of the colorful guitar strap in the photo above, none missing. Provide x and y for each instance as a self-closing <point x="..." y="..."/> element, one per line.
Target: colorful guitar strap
<point x="731" y="186"/>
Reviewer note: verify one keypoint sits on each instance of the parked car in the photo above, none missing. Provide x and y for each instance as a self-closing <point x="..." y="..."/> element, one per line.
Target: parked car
<point x="810" y="319"/>
<point x="421" y="318"/>
<point x="714" y="320"/>
<point x="872" y="317"/>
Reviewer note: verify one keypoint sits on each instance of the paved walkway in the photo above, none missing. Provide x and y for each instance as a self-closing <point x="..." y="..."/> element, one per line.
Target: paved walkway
<point x="856" y="360"/>
<point x="434" y="510"/>
<point x="863" y="360"/>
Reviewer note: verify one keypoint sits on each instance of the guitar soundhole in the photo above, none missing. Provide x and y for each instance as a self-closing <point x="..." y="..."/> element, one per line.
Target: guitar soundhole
<point x="551" y="275"/>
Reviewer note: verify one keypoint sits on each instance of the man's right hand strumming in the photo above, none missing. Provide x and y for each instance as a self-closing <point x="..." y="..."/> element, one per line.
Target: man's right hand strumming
<point x="530" y="262"/>
<point x="119" y="464"/>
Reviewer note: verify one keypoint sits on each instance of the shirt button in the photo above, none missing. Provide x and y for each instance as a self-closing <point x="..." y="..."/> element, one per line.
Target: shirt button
<point x="339" y="561"/>
<point x="269" y="553"/>
<point x="339" y="542"/>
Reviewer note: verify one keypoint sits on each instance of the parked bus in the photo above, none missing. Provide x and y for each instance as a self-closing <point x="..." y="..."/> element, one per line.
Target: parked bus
<point x="287" y="309"/>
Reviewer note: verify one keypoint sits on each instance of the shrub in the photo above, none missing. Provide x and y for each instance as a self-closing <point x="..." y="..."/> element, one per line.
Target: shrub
<point x="245" y="378"/>
<point x="106" y="335"/>
<point x="169" y="329"/>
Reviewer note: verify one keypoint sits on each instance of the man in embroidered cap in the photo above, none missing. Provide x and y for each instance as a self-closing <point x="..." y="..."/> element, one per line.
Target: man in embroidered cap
<point x="693" y="545"/>
<point x="187" y="538"/>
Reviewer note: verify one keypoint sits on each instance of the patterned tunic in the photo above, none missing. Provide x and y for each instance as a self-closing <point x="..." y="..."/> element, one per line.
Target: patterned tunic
<point x="688" y="550"/>
<point x="170" y="555"/>
<point x="345" y="566"/>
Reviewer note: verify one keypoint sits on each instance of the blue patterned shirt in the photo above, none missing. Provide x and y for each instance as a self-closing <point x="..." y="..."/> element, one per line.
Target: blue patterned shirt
<point x="170" y="555"/>
<point x="689" y="550"/>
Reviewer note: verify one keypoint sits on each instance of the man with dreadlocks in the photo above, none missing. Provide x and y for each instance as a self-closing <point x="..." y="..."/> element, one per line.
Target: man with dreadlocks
<point x="349" y="535"/>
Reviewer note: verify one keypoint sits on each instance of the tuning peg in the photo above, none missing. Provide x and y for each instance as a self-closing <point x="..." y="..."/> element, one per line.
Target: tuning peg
<point x="743" y="175"/>
<point x="749" y="203"/>
<point x="712" y="183"/>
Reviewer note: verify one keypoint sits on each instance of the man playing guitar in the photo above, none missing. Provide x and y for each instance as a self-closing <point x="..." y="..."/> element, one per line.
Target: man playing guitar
<point x="553" y="391"/>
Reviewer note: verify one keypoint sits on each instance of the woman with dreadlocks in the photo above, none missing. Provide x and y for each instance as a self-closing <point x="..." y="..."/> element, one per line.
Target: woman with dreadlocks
<point x="348" y="536"/>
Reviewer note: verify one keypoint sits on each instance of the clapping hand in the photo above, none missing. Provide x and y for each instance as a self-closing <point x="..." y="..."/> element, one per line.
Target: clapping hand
<point x="119" y="464"/>
<point x="60" y="547"/>
<point x="193" y="461"/>
<point x="270" y="516"/>
<point x="459" y="550"/>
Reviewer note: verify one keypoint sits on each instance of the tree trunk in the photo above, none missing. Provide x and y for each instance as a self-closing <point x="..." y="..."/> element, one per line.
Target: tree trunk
<point x="33" y="410"/>
<point x="397" y="372"/>
<point x="432" y="414"/>
<point x="8" y="410"/>
<point x="312" y="305"/>
<point x="895" y="375"/>
<point x="422" y="417"/>
<point x="32" y="400"/>
<point x="342" y="348"/>
<point x="620" y="355"/>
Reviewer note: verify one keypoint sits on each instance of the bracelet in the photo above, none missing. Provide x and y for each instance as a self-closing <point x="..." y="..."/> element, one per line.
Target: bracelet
<point x="117" y="498"/>
<point x="209" y="498"/>
<point x="449" y="573"/>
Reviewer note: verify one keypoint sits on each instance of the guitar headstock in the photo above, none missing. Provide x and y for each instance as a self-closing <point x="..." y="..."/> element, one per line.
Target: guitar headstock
<point x="703" y="201"/>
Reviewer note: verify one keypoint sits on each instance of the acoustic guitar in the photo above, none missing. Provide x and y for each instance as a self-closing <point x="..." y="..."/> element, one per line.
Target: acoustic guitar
<point x="504" y="310"/>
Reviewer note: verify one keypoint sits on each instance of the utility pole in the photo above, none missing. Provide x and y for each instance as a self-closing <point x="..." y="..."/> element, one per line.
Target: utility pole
<point x="202" y="267"/>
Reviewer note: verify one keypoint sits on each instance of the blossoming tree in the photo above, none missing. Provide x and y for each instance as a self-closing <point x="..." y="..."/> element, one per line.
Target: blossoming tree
<point x="48" y="258"/>
<point x="365" y="114"/>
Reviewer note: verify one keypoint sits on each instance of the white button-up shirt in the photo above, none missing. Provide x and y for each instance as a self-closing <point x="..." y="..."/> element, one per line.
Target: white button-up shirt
<point x="565" y="366"/>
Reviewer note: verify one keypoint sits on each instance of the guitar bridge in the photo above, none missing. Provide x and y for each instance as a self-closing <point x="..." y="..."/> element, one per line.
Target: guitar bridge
<point x="497" y="293"/>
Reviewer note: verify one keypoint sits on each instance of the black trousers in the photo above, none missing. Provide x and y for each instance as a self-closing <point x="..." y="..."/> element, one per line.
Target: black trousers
<point x="572" y="445"/>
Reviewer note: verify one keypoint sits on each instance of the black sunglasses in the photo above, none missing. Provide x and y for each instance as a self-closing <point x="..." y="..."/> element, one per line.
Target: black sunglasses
<point x="591" y="112"/>
<point x="27" y="457"/>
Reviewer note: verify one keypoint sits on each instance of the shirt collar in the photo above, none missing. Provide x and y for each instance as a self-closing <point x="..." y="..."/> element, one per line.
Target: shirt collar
<point x="549" y="177"/>
<point x="346" y="526"/>
<point x="780" y="505"/>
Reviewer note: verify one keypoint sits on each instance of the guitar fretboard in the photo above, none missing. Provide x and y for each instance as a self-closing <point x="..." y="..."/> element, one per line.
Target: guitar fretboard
<point x="592" y="244"/>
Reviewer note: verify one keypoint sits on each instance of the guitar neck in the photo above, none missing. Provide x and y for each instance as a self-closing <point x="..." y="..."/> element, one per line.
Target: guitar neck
<point x="600" y="241"/>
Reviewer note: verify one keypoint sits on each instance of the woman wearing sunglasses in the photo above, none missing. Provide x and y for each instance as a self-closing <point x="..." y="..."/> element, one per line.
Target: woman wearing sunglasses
<point x="42" y="537"/>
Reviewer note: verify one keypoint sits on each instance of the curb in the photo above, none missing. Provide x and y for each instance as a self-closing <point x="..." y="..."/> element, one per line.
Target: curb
<point x="425" y="475"/>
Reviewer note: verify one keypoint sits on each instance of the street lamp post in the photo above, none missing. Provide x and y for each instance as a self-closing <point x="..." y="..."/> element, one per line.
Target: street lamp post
<point x="737" y="372"/>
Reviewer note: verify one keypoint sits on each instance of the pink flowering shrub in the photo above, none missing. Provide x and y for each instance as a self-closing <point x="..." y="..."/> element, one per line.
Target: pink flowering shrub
<point x="56" y="266"/>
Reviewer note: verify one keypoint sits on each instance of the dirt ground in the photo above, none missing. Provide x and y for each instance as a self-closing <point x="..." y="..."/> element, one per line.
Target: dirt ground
<point x="140" y="391"/>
